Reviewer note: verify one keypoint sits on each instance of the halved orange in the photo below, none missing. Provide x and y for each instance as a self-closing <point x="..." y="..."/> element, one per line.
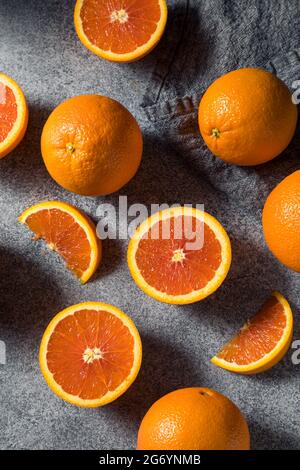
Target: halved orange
<point x="120" y="30"/>
<point x="262" y="341"/>
<point x="179" y="255"/>
<point x="90" y="354"/>
<point x="67" y="231"/>
<point x="13" y="114"/>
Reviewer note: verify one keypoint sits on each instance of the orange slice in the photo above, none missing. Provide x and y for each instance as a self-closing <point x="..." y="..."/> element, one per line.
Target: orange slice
<point x="120" y="30"/>
<point x="13" y="115"/>
<point x="263" y="340"/>
<point x="67" y="231"/>
<point x="179" y="255"/>
<point x="90" y="354"/>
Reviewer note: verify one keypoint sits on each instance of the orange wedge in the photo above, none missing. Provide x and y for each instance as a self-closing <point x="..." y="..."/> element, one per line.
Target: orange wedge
<point x="13" y="115"/>
<point x="120" y="30"/>
<point x="179" y="255"/>
<point x="67" y="231"/>
<point x="263" y="340"/>
<point x="90" y="354"/>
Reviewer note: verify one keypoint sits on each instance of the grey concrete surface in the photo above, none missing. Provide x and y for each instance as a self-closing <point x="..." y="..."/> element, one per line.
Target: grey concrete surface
<point x="39" y="48"/>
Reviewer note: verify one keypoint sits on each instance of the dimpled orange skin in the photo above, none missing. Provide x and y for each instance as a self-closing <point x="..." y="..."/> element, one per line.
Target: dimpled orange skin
<point x="91" y="145"/>
<point x="193" y="419"/>
<point x="247" y="117"/>
<point x="281" y="221"/>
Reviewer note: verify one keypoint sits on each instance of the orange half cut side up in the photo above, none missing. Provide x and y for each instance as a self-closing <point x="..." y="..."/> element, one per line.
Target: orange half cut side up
<point x="13" y="115"/>
<point x="179" y="255"/>
<point x="90" y="354"/>
<point x="120" y="30"/>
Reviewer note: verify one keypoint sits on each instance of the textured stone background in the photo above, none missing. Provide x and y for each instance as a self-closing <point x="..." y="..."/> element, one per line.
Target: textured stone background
<point x="39" y="48"/>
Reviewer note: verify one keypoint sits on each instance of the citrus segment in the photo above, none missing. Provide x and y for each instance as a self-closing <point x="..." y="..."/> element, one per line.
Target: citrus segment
<point x="90" y="354"/>
<point x="13" y="115"/>
<point x="179" y="255"/>
<point x="67" y="231"/>
<point x="120" y="30"/>
<point x="8" y="111"/>
<point x="262" y="341"/>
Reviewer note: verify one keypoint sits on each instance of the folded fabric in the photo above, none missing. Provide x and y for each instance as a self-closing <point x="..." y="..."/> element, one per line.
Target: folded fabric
<point x="209" y="39"/>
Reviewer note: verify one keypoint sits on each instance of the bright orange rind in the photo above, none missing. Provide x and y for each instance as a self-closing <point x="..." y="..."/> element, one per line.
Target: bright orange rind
<point x="67" y="231"/>
<point x="90" y="354"/>
<point x="13" y="115"/>
<point x="120" y="30"/>
<point x="263" y="340"/>
<point x="173" y="270"/>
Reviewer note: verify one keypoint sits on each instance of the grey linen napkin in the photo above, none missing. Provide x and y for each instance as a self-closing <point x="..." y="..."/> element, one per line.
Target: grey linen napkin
<point x="207" y="39"/>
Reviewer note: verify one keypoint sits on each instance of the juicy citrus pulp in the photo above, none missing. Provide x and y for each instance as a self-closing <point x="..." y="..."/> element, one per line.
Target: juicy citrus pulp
<point x="193" y="419"/>
<point x="120" y="30"/>
<point x="179" y="255"/>
<point x="90" y="354"/>
<point x="67" y="231"/>
<point x="263" y="340"/>
<point x="13" y="114"/>
<point x="8" y="110"/>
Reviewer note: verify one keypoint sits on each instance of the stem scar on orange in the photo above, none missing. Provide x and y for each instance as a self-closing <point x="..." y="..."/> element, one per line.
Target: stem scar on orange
<point x="90" y="354"/>
<point x="69" y="232"/>
<point x="263" y="340"/>
<point x="13" y="115"/>
<point x="120" y="30"/>
<point x="179" y="255"/>
<point x="91" y="145"/>
<point x="247" y="117"/>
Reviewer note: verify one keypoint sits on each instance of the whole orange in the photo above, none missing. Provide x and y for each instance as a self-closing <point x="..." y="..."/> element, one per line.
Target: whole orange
<point x="91" y="145"/>
<point x="193" y="419"/>
<point x="281" y="221"/>
<point x="247" y="117"/>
